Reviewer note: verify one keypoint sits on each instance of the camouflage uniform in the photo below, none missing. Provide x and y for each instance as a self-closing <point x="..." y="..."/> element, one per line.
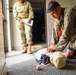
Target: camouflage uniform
<point x="67" y="23"/>
<point x="24" y="11"/>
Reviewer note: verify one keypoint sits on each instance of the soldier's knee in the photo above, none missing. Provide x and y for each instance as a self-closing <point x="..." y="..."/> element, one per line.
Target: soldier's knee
<point x="22" y="34"/>
<point x="21" y="27"/>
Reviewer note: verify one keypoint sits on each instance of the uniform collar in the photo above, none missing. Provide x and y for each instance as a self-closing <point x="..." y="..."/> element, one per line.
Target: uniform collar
<point x="62" y="14"/>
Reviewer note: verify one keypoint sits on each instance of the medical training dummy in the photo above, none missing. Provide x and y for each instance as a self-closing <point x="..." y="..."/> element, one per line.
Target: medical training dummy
<point x="56" y="58"/>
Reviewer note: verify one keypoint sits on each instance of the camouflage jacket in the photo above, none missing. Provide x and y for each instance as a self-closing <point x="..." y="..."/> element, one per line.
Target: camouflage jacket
<point x="67" y="23"/>
<point x="22" y="11"/>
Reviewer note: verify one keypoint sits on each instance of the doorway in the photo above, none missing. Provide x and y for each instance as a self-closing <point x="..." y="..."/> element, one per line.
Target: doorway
<point x="38" y="29"/>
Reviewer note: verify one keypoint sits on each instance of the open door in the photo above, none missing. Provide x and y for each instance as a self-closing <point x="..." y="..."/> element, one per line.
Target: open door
<point x="39" y="22"/>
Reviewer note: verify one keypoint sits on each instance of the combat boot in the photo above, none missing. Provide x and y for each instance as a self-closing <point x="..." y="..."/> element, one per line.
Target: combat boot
<point x="24" y="50"/>
<point x="29" y="49"/>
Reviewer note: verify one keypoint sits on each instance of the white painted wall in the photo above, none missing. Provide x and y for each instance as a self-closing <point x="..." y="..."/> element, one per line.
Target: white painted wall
<point x="3" y="70"/>
<point x="15" y="37"/>
<point x="67" y="3"/>
<point x="7" y="31"/>
<point x="50" y="22"/>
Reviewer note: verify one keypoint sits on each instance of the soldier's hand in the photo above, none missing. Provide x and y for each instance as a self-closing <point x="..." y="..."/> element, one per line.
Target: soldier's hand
<point x="29" y="20"/>
<point x="20" y="20"/>
<point x="52" y="48"/>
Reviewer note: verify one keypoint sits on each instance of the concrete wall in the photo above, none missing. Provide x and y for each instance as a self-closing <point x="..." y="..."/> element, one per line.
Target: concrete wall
<point x="49" y="24"/>
<point x="2" y="52"/>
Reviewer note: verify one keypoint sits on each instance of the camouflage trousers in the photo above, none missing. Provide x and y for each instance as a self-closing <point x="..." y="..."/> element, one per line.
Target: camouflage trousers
<point x="25" y="33"/>
<point x="73" y="43"/>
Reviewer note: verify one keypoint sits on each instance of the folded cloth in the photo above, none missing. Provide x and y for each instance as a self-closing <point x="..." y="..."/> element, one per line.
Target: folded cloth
<point x="45" y="59"/>
<point x="41" y="57"/>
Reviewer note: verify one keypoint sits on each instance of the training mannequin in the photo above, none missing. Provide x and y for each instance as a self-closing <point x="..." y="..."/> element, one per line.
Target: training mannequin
<point x="56" y="58"/>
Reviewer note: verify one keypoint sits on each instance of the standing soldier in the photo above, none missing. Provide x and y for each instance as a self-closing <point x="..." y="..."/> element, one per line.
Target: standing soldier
<point x="23" y="11"/>
<point x="65" y="20"/>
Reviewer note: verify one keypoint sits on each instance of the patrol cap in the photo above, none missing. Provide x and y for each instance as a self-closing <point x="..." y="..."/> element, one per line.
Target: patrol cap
<point x="52" y="5"/>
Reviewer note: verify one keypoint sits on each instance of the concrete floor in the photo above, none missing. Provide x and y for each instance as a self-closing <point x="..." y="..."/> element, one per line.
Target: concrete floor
<point x="25" y="64"/>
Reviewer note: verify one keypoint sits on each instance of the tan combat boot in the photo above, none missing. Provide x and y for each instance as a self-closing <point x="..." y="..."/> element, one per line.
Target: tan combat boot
<point x="24" y="50"/>
<point x="29" y="49"/>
